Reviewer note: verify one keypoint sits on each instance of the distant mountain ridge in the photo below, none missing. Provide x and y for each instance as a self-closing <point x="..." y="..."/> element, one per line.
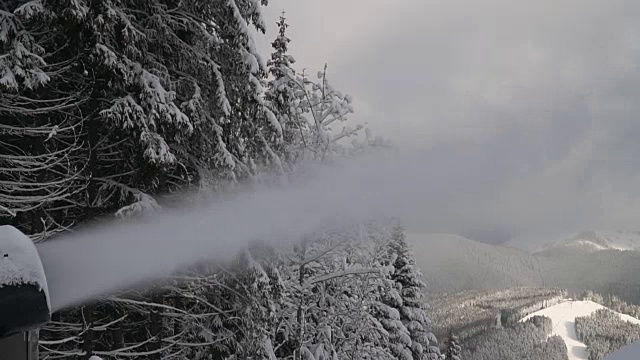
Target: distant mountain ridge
<point x="593" y="241"/>
<point x="452" y="263"/>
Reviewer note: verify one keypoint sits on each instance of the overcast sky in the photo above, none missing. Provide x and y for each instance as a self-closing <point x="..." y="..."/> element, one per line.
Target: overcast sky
<point x="536" y="98"/>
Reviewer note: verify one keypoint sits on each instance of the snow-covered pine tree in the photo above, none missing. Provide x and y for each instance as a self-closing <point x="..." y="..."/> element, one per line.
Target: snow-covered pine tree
<point x="376" y="327"/>
<point x="112" y="102"/>
<point x="386" y="309"/>
<point x="42" y="162"/>
<point x="453" y="349"/>
<point x="281" y="93"/>
<point x="330" y="289"/>
<point x="250" y="116"/>
<point x="139" y="98"/>
<point x="296" y="329"/>
<point x="251" y="293"/>
<point x="411" y="290"/>
<point x="157" y="96"/>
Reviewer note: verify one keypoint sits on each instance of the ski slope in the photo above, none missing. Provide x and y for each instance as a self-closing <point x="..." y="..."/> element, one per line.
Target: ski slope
<point x="563" y="317"/>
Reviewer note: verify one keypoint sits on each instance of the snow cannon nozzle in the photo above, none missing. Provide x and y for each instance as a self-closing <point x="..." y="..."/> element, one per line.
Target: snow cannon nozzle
<point x="24" y="297"/>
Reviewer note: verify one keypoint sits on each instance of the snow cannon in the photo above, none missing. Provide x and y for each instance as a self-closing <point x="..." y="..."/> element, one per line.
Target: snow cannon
<point x="24" y="297"/>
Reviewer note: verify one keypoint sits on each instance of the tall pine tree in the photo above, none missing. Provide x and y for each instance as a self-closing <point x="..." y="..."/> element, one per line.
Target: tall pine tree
<point x="412" y="305"/>
<point x="106" y="104"/>
<point x="281" y="89"/>
<point x="453" y="349"/>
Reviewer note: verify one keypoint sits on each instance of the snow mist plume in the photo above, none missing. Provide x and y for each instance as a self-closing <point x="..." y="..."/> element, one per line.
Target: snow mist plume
<point x="108" y="257"/>
<point x="426" y="194"/>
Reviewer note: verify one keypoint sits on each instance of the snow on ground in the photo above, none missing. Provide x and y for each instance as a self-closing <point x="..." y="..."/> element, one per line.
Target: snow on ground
<point x="591" y="246"/>
<point x="19" y="260"/>
<point x="563" y="317"/>
<point x="630" y="352"/>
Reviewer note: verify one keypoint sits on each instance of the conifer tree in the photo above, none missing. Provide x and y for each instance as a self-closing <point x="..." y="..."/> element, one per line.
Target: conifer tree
<point x="281" y="89"/>
<point x="115" y="101"/>
<point x="43" y="157"/>
<point x="106" y="104"/>
<point x="453" y="349"/>
<point x="253" y="292"/>
<point x="412" y="305"/>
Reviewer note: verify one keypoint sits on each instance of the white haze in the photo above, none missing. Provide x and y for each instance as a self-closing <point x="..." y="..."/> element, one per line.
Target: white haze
<point x="526" y="103"/>
<point x="99" y="260"/>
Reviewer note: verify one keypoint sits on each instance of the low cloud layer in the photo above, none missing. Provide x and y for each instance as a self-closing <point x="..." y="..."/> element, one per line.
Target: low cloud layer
<point x="531" y="102"/>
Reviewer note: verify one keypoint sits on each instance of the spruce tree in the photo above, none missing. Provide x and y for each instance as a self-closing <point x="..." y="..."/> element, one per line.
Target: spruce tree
<point x="453" y="349"/>
<point x="108" y="103"/>
<point x="281" y="87"/>
<point x="253" y="293"/>
<point x="114" y="101"/>
<point x="281" y="91"/>
<point x="411" y="290"/>
<point x="43" y="153"/>
<point x="386" y="311"/>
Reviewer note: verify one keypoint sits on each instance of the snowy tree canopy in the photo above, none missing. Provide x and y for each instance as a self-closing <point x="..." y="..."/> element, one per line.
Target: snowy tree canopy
<point x="111" y="106"/>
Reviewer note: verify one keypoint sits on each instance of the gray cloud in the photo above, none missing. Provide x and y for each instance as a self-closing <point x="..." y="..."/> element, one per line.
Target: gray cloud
<point x="531" y="102"/>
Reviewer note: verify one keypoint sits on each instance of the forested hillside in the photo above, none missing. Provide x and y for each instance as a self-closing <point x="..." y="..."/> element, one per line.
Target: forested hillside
<point x="607" y="272"/>
<point x="109" y="107"/>
<point x="470" y="313"/>
<point x="605" y="332"/>
<point x="453" y="263"/>
<point x="612" y="302"/>
<point x="526" y="340"/>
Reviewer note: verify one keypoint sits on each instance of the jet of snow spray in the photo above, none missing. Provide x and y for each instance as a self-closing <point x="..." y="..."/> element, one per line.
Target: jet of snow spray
<point x="107" y="257"/>
<point x="93" y="262"/>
